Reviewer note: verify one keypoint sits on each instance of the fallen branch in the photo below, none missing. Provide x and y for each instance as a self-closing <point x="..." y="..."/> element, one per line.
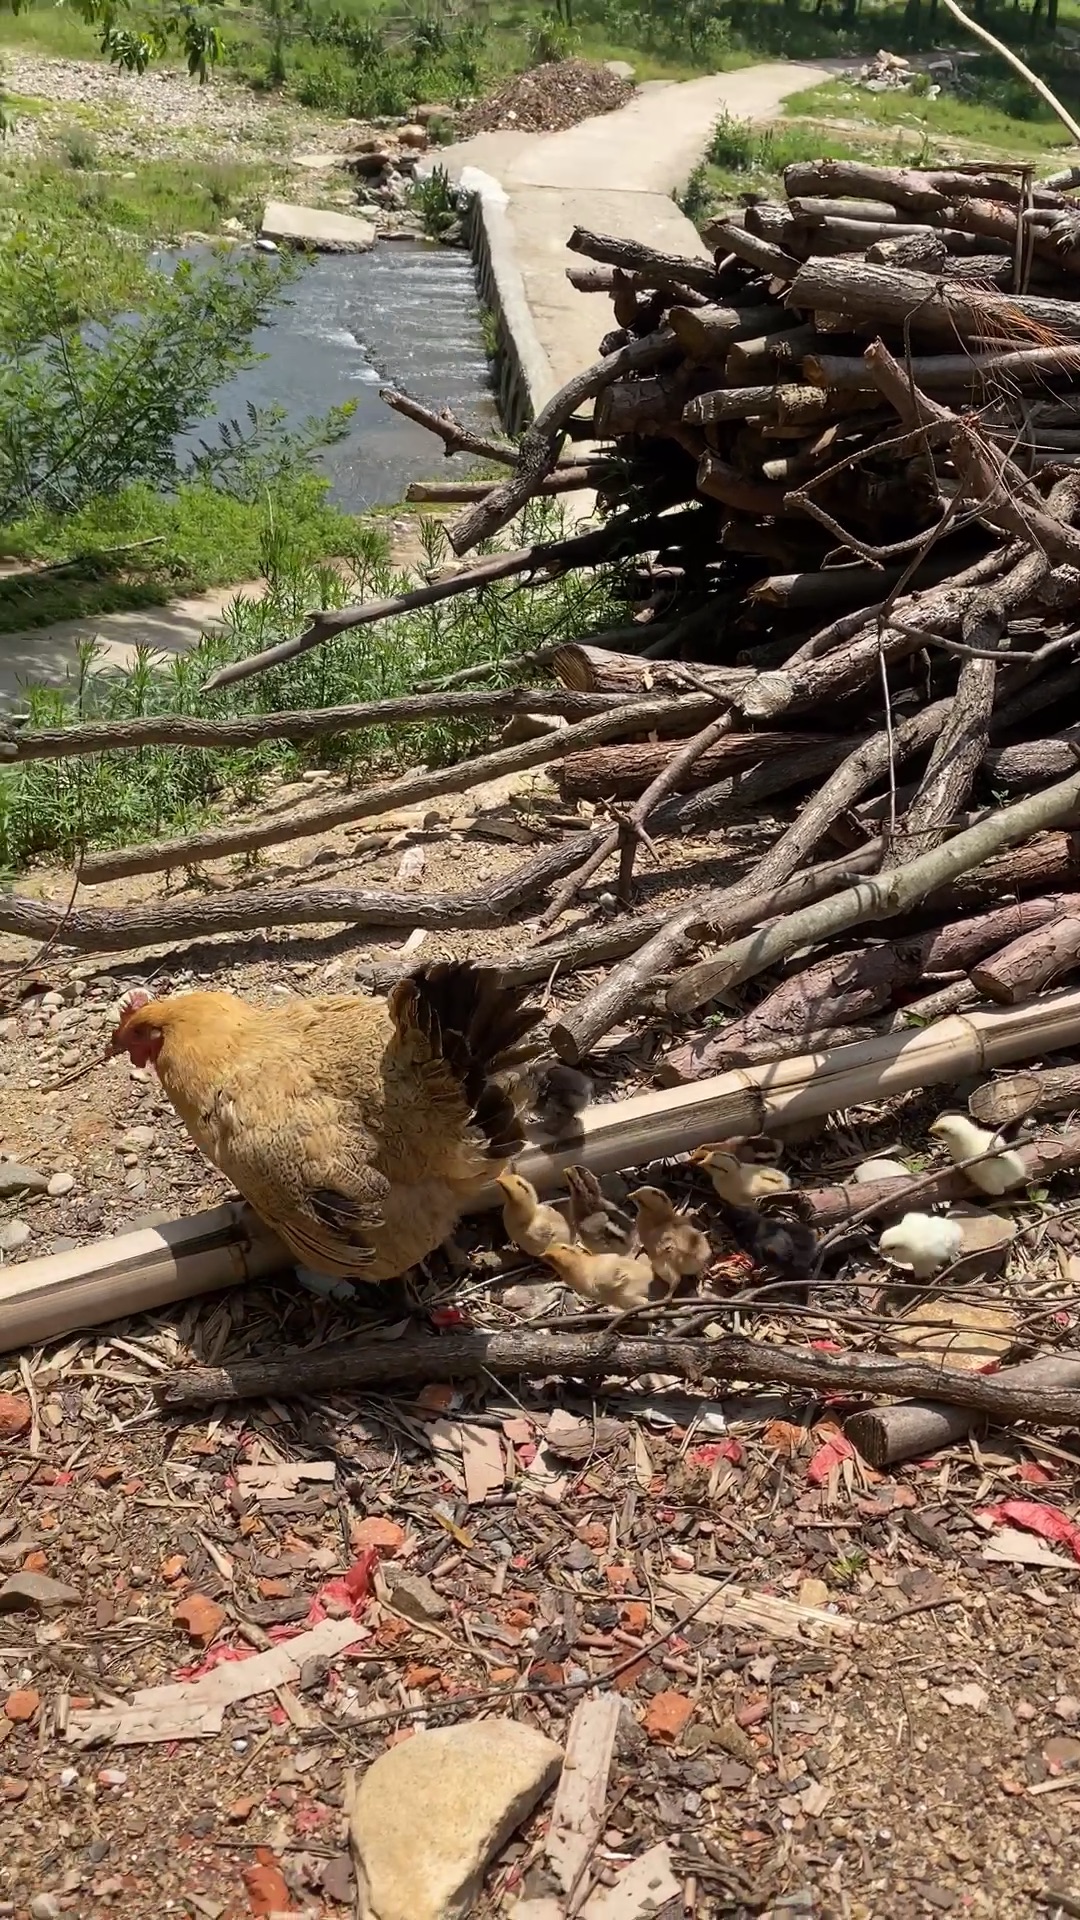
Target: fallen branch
<point x="455" y="437"/>
<point x="454" y="492"/>
<point x="1037" y="1090"/>
<point x="651" y="267"/>
<point x="829" y="1207"/>
<point x="193" y="849"/>
<point x="596" y="1356"/>
<point x="1006" y="53"/>
<point x="546" y="560"/>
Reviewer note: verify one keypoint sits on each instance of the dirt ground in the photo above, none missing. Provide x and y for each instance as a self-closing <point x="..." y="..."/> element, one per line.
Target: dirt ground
<point x="915" y="1753"/>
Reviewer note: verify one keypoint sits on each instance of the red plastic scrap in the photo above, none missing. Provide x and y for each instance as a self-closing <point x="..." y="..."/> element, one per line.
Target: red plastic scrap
<point x="1034" y="1516"/>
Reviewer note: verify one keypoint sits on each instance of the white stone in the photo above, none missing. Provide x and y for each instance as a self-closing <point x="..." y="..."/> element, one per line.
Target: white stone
<point x="60" y="1184"/>
<point x="430" y="1814"/>
<point x="314" y="227"/>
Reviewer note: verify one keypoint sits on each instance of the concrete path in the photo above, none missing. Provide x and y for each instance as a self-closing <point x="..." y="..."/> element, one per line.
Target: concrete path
<point x="52" y="653"/>
<point x="615" y="173"/>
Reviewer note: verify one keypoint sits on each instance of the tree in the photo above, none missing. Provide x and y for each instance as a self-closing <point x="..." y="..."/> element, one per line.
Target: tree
<point x="136" y="32"/>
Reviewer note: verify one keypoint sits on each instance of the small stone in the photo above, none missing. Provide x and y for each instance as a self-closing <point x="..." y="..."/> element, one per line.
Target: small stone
<point x="200" y="1617"/>
<point x="385" y="1535"/>
<point x="667" y="1716"/>
<point x="60" y="1184"/>
<point x="475" y="1783"/>
<point x="45" y="1906"/>
<point x="15" y="1178"/>
<point x="173" y="1567"/>
<point x="135" y="1140"/>
<point x="13" y="1234"/>
<point x="14" y="1415"/>
<point x="242" y="1810"/>
<point x="414" y="1596"/>
<point x="22" y="1705"/>
<point x="28" y="1588"/>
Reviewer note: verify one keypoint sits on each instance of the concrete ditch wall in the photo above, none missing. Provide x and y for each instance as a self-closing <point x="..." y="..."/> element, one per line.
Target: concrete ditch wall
<point x="524" y="381"/>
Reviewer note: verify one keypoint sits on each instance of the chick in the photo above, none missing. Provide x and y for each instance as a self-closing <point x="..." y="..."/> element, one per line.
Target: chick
<point x="562" y="1094"/>
<point x="530" y="1224"/>
<point x="784" y="1247"/>
<point x="962" y="1138"/>
<point x="672" y="1242"/>
<point x="924" y="1242"/>
<point x="739" y="1181"/>
<point x="606" y="1279"/>
<point x="599" y="1225"/>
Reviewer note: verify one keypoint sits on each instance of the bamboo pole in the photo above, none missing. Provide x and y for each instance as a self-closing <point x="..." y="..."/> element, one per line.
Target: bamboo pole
<point x="45" y="1298"/>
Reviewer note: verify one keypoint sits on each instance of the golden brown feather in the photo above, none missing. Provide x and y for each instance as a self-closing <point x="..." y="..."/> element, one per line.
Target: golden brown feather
<point x="605" y="1279"/>
<point x="360" y="1129"/>
<point x="530" y="1224"/>
<point x="674" y="1245"/>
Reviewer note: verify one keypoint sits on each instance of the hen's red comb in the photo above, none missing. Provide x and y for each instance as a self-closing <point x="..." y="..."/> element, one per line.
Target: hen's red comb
<point x="131" y="1002"/>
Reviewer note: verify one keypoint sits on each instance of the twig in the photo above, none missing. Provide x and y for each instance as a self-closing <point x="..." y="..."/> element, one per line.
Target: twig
<point x="1014" y="60"/>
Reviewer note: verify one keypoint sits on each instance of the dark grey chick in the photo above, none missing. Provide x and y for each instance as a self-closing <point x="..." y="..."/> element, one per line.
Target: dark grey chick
<point x="599" y="1225"/>
<point x="787" y="1248"/>
<point x="562" y="1094"/>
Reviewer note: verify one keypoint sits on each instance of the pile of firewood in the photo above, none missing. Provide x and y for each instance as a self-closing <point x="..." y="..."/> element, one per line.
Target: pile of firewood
<point x="842" y="487"/>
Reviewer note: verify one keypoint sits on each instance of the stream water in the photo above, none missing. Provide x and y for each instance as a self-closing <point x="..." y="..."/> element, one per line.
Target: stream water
<point x="404" y="315"/>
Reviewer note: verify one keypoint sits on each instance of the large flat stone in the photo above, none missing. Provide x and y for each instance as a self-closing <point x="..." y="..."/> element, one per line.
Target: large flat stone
<point x="430" y="1814"/>
<point x="315" y="227"/>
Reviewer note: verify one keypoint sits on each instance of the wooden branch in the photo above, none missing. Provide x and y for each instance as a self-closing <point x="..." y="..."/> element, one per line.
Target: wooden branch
<point x="661" y="269"/>
<point x="756" y="253"/>
<point x="455" y="437"/>
<point x="719" y="481"/>
<point x="1036" y="1090"/>
<point x="589" y="669"/>
<point x="626" y="834"/>
<point x="1032" y="761"/>
<point x="951" y="373"/>
<point x="545" y="560"/>
<point x="541" y="441"/>
<point x="192" y="849"/>
<point x="302" y="724"/>
<point x="828" y="1207"/>
<point x="706" y="333"/>
<point x="1006" y="53"/>
<point x="717" y="914"/>
<point x="917" y="1429"/>
<point x="1019" y="970"/>
<point x="1048" y="861"/>
<point x="595" y="1355"/>
<point x="876" y="898"/>
<point x="451" y="492"/>
<point x="751" y="361"/>
<point x="905" y="189"/>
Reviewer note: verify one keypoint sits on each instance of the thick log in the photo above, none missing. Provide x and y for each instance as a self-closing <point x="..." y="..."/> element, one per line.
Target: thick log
<point x="828" y="1207"/>
<point x="1031" y="762"/>
<point x="646" y="406"/>
<point x="951" y="373"/>
<point x="1046" y="861"/>
<point x="856" y="986"/>
<point x="706" y="333"/>
<point x="651" y="267"/>
<point x="779" y="351"/>
<point x="719" y="481"/>
<point x="587" y="669"/>
<point x="756" y="253"/>
<point x="622" y="772"/>
<point x="929" y="305"/>
<point x="1000" y="1103"/>
<point x="1020" y="969"/>
<point x="790" y="405"/>
<point x="902" y="188"/>
<point x="917" y="1429"/>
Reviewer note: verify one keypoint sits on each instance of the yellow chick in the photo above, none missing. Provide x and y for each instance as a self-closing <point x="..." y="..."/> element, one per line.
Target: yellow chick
<point x="530" y="1224"/>
<point x="923" y="1242"/>
<point x="599" y="1225"/>
<point x="962" y="1138"/>
<point x="605" y="1279"/>
<point x="673" y="1244"/>
<point x="739" y="1182"/>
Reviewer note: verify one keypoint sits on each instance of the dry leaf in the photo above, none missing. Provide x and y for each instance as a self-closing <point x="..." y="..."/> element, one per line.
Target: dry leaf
<point x="482" y="1458"/>
<point x="643" y="1466"/>
<point x="971" y="1695"/>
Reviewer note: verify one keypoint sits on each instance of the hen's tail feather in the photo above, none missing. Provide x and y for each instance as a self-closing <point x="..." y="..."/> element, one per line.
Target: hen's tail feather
<point x="478" y="1026"/>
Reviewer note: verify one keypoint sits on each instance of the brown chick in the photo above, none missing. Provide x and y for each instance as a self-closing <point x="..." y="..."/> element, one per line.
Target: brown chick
<point x="740" y="1182"/>
<point x="605" y="1279"/>
<point x="530" y="1224"/>
<point x="673" y="1244"/>
<point x="359" y="1129"/>
<point x="599" y="1225"/>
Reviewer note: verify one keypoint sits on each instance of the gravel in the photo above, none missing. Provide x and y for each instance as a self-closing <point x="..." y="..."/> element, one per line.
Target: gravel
<point x="547" y="100"/>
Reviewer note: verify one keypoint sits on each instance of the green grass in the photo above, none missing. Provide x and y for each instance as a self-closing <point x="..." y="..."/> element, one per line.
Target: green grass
<point x="978" y="122"/>
<point x="162" y="201"/>
<point x="50" y="808"/>
<point x="49" y="29"/>
<point x="196" y="538"/>
<point x="744" y="157"/>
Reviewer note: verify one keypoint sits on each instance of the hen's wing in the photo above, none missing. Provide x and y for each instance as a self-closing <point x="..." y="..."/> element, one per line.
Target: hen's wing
<point x="452" y="1102"/>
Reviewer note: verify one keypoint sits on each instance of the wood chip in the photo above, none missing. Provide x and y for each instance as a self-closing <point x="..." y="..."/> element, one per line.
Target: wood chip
<point x="577" y="1818"/>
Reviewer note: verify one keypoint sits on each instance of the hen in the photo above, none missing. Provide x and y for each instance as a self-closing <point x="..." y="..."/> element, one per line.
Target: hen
<point x="359" y="1129"/>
